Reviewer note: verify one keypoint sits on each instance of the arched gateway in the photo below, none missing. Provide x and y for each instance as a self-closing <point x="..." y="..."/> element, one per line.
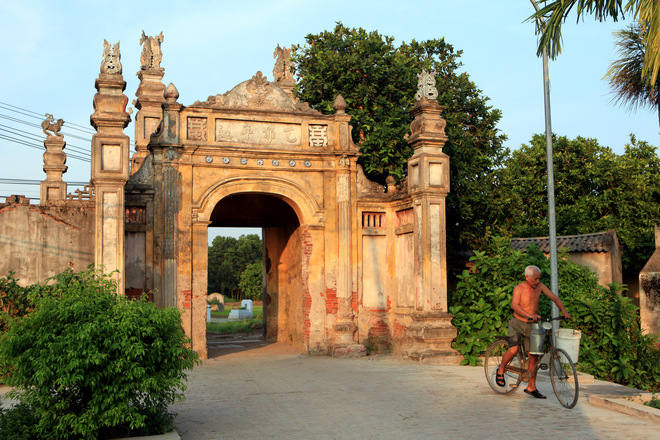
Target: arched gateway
<point x="348" y="265"/>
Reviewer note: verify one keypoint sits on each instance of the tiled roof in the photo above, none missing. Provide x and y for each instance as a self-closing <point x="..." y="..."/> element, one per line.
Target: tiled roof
<point x="597" y="242"/>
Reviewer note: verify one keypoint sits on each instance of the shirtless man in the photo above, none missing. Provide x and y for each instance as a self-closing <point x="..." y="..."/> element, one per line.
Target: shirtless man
<point x="525" y="310"/>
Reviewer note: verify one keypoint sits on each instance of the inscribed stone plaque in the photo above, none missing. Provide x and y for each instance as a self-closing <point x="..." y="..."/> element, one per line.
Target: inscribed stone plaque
<point x="196" y="129"/>
<point x="111" y="158"/>
<point x="318" y="136"/>
<point x="262" y="133"/>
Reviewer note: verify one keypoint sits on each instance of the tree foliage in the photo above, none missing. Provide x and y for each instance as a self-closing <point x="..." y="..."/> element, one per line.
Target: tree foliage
<point x="646" y="12"/>
<point x="626" y="74"/>
<point x="378" y="80"/>
<point x="251" y="283"/>
<point x="228" y="258"/>
<point x="87" y="363"/>
<point x="612" y="346"/>
<point x="595" y="190"/>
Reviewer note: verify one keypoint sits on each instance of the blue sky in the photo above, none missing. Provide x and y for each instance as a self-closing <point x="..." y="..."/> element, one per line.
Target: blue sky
<point x="51" y="53"/>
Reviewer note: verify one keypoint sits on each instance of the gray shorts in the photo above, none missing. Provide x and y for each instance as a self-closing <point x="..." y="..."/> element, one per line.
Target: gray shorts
<point x="519" y="331"/>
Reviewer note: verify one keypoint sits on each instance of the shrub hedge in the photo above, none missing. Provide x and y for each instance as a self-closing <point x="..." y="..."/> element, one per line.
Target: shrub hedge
<point x="87" y="363"/>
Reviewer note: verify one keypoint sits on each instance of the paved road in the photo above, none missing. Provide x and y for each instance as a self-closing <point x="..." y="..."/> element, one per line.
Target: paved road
<point x="260" y="391"/>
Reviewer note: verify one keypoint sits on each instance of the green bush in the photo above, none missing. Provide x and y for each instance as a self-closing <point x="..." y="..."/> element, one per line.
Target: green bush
<point x="481" y="304"/>
<point x="612" y="346"/>
<point x="14" y="300"/>
<point x="14" y="303"/>
<point x="90" y="364"/>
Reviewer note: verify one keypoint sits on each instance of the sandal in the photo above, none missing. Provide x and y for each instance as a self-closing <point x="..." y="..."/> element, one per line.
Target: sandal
<point x="534" y="393"/>
<point x="499" y="379"/>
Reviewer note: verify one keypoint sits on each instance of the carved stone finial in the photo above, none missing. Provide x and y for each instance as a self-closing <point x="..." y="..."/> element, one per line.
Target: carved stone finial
<point x="283" y="66"/>
<point x="340" y="105"/>
<point x="151" y="53"/>
<point x="426" y="86"/>
<point x="49" y="124"/>
<point x="111" y="63"/>
<point x="171" y="93"/>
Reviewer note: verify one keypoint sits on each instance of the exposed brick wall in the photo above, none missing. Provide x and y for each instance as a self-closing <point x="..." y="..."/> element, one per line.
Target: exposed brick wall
<point x="379" y="336"/>
<point x="331" y="303"/>
<point x="400" y="331"/>
<point x="306" y="240"/>
<point x="187" y="296"/>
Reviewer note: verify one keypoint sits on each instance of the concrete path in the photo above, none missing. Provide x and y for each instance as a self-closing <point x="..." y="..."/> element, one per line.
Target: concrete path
<point x="254" y="390"/>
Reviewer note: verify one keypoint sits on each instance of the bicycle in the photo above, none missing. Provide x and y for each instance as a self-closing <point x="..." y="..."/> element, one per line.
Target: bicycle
<point x="562" y="370"/>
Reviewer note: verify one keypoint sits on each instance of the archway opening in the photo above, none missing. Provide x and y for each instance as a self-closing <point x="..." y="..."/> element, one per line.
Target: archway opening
<point x="282" y="281"/>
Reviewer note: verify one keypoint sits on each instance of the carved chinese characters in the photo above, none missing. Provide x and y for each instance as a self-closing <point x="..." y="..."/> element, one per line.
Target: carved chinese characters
<point x="252" y="132"/>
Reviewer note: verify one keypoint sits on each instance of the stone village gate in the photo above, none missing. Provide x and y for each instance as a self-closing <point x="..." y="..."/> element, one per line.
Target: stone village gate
<point x="347" y="264"/>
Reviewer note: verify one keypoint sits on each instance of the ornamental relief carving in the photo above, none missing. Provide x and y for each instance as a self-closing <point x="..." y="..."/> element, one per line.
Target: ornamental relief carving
<point x="262" y="133"/>
<point x="257" y="93"/>
<point x="318" y="136"/>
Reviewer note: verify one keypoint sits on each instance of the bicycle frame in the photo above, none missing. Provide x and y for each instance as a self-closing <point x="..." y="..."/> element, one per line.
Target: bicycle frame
<point x="563" y="374"/>
<point x="523" y="357"/>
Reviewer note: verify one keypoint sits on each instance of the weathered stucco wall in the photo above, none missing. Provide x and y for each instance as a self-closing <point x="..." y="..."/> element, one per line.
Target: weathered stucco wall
<point x="37" y="241"/>
<point x="649" y="290"/>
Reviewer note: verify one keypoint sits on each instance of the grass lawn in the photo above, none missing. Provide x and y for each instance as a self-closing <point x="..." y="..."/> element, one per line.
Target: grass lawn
<point x="243" y="326"/>
<point x="234" y="326"/>
<point x="256" y="311"/>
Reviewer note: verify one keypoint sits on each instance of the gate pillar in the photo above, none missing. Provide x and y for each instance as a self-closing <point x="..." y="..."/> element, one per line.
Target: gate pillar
<point x="431" y="333"/>
<point x="110" y="164"/>
<point x="344" y="328"/>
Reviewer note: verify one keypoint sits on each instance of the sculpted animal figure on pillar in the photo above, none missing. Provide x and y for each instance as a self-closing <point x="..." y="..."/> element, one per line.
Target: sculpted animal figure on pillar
<point x="151" y="52"/>
<point x="283" y="65"/>
<point x="426" y="86"/>
<point x="49" y="124"/>
<point x="111" y="63"/>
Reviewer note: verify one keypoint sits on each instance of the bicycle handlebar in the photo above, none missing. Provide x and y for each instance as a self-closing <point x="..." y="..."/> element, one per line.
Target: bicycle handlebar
<point x="558" y="318"/>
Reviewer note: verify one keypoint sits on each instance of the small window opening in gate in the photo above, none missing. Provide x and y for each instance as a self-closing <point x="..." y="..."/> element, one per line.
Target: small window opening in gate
<point x="136" y="215"/>
<point x="373" y="220"/>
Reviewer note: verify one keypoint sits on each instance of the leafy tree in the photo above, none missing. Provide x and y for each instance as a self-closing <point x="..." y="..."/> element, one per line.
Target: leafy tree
<point x="251" y="283"/>
<point x="228" y="258"/>
<point x="222" y="260"/>
<point x="625" y="76"/>
<point x="87" y="363"/>
<point x="378" y="80"/>
<point x="595" y="190"/>
<point x="646" y="12"/>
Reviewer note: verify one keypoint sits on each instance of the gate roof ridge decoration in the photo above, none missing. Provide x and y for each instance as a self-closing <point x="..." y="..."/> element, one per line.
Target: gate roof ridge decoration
<point x="258" y="94"/>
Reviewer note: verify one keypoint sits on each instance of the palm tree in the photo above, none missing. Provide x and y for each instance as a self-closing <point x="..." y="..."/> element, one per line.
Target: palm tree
<point x="646" y="12"/>
<point x="629" y="85"/>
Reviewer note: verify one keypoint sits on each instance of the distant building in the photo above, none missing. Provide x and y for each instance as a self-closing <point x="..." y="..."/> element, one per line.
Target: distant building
<point x="599" y="251"/>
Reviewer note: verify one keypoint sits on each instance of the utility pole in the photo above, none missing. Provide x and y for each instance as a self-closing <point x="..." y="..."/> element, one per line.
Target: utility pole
<point x="552" y="223"/>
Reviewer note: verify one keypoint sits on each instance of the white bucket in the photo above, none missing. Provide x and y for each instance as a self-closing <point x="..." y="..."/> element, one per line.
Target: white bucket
<point x="569" y="340"/>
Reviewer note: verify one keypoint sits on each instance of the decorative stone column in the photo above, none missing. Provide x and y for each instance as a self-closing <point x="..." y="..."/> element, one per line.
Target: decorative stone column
<point x="110" y="163"/>
<point x="430" y="334"/>
<point x="345" y="327"/>
<point x="53" y="188"/>
<point x="167" y="186"/>
<point x="150" y="97"/>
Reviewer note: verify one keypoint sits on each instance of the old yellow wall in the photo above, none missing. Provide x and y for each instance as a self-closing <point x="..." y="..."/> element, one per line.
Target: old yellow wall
<point x="37" y="242"/>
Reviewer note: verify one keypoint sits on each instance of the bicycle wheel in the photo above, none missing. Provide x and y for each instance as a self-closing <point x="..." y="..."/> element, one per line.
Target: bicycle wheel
<point x="492" y="362"/>
<point x="564" y="378"/>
